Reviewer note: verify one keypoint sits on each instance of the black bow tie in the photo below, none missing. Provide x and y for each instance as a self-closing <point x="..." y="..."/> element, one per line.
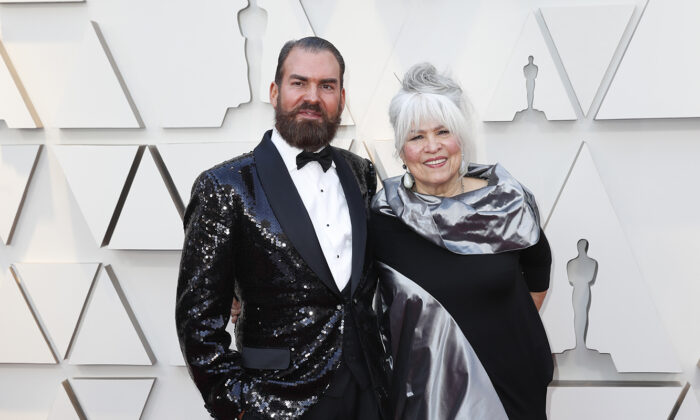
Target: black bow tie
<point x="323" y="157"/>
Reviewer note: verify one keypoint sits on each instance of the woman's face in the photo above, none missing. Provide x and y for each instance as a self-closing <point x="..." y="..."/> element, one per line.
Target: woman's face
<point x="433" y="155"/>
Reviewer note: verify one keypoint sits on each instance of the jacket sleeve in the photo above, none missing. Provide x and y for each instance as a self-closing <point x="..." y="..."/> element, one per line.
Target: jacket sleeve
<point x="536" y="263"/>
<point x="371" y="181"/>
<point x="204" y="295"/>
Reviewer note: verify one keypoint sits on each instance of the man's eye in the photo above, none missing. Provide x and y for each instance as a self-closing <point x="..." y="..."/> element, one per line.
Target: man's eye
<point x="296" y="83"/>
<point x="327" y="87"/>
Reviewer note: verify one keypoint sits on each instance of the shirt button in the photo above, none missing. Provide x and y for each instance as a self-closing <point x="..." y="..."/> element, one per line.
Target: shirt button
<point x="321" y="189"/>
<point x="337" y="256"/>
<point x="328" y="225"/>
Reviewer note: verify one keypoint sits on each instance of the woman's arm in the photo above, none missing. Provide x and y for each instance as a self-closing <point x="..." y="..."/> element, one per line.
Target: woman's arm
<point x="536" y="263"/>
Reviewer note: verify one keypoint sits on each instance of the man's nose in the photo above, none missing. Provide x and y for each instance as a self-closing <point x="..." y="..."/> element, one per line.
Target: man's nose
<point x="311" y="95"/>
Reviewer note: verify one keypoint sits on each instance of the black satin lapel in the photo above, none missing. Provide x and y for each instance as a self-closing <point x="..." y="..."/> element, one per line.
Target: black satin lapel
<point x="358" y="217"/>
<point x="289" y="209"/>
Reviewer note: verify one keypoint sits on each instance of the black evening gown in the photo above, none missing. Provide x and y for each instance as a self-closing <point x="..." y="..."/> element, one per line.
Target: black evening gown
<point x="488" y="296"/>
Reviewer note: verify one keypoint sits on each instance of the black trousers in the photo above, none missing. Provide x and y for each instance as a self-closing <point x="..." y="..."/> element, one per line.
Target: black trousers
<point x="345" y="400"/>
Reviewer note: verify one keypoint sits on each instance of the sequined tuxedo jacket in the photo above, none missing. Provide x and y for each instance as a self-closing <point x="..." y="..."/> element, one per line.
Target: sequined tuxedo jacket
<point x="247" y="233"/>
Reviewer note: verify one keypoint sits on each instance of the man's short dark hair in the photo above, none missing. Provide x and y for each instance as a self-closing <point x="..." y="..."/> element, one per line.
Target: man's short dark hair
<point x="310" y="43"/>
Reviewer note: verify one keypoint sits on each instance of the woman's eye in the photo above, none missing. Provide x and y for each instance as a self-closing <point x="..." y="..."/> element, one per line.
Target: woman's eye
<point x="443" y="132"/>
<point x="415" y="138"/>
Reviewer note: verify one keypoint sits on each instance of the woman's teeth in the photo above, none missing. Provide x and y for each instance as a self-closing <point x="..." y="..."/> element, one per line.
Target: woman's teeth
<point x="436" y="161"/>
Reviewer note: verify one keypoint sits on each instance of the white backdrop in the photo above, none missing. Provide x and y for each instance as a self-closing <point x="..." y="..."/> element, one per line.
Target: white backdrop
<point x="94" y="213"/>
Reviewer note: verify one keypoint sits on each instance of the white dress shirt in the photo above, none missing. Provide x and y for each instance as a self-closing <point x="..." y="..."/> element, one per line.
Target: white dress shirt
<point x="327" y="207"/>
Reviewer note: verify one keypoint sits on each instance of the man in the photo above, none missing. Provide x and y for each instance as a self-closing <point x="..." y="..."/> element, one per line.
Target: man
<point x="284" y="229"/>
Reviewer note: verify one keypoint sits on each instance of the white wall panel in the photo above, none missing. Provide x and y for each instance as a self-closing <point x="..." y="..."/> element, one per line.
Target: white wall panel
<point x="186" y="161"/>
<point x="42" y="1"/>
<point x="96" y="175"/>
<point x="384" y="155"/>
<point x="58" y="293"/>
<point x="107" y="335"/>
<point x="15" y="106"/>
<point x="511" y="94"/>
<point x="96" y="95"/>
<point x="17" y="164"/>
<point x="690" y="408"/>
<point x="635" y="336"/>
<point x="586" y="38"/>
<point x="202" y="69"/>
<point x="610" y="403"/>
<point x="22" y="340"/>
<point x="113" y="398"/>
<point x="657" y="77"/>
<point x="375" y="123"/>
<point x="149" y="219"/>
<point x="63" y="408"/>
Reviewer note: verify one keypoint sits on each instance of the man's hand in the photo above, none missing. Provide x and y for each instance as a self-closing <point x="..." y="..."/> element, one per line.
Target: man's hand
<point x="235" y="312"/>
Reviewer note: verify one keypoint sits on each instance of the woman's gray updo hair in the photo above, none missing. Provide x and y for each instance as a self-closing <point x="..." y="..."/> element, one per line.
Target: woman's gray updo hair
<point x="429" y="96"/>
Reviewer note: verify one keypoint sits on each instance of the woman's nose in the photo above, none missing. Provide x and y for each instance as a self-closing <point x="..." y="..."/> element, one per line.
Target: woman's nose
<point x="433" y="145"/>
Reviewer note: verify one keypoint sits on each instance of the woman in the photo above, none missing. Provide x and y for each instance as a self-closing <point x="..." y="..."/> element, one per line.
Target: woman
<point x="463" y="263"/>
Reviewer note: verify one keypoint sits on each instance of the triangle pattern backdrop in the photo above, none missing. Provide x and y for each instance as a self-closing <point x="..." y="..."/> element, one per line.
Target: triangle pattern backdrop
<point x="149" y="219"/>
<point x="690" y="408"/>
<point x="107" y="334"/>
<point x="62" y="408"/>
<point x="186" y="161"/>
<point x="586" y="39"/>
<point x="58" y="293"/>
<point x="96" y="95"/>
<point x="126" y="401"/>
<point x="42" y="1"/>
<point x="635" y="337"/>
<point x="511" y="94"/>
<point x="96" y="176"/>
<point x="611" y="403"/>
<point x="384" y="154"/>
<point x="202" y="85"/>
<point x="17" y="164"/>
<point x="653" y="79"/>
<point x="21" y="338"/>
<point x="15" y="107"/>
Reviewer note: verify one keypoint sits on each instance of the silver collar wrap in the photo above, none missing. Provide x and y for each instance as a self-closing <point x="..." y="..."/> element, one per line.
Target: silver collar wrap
<point x="500" y="217"/>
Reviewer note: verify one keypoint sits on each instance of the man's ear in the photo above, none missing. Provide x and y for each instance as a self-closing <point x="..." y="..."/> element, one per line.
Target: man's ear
<point x="342" y="97"/>
<point x="274" y="91"/>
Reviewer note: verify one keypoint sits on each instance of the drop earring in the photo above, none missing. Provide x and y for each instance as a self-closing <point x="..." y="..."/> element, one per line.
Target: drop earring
<point x="407" y="179"/>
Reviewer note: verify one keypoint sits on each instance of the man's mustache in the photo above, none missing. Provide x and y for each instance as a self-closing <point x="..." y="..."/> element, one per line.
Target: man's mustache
<point x="310" y="107"/>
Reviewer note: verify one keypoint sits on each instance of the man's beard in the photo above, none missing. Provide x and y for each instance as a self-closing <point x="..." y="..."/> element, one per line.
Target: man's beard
<point x="308" y="135"/>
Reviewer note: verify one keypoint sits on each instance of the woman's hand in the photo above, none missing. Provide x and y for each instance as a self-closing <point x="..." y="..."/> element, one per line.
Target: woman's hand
<point x="537" y="297"/>
<point x="235" y="310"/>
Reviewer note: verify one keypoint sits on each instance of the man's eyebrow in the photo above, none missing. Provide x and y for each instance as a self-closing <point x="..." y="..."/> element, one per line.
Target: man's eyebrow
<point x="332" y="80"/>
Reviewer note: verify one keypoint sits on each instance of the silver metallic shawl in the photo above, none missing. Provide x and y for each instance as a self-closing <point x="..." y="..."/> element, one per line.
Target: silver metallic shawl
<point x="436" y="373"/>
<point x="500" y="217"/>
